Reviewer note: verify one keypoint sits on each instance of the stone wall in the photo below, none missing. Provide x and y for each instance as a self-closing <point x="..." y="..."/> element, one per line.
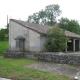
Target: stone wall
<point x="65" y="58"/>
<point x="13" y="54"/>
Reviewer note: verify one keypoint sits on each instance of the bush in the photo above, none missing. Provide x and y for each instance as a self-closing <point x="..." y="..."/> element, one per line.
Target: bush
<point x="56" y="40"/>
<point x="3" y="47"/>
<point x="3" y="34"/>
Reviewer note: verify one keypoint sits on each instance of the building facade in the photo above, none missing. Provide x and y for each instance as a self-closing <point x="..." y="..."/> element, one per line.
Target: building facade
<point x="24" y="36"/>
<point x="32" y="40"/>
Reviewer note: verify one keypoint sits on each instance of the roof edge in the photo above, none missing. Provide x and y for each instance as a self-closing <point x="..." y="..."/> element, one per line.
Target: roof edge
<point x="26" y="26"/>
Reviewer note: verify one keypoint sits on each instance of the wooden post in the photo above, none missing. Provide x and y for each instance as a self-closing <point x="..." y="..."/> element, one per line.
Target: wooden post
<point x="79" y="44"/>
<point x="66" y="48"/>
<point x="73" y="45"/>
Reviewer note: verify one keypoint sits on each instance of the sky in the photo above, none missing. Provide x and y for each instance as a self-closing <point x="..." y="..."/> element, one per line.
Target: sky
<point x="21" y="9"/>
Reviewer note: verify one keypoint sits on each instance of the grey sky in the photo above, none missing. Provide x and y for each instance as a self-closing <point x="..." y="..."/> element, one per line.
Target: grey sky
<point x="21" y="9"/>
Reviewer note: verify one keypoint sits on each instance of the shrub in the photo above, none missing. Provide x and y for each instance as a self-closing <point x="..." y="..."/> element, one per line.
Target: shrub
<point x="3" y="47"/>
<point x="56" y="40"/>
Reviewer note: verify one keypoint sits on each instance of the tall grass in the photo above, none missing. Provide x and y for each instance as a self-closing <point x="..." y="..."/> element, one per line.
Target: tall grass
<point x="3" y="47"/>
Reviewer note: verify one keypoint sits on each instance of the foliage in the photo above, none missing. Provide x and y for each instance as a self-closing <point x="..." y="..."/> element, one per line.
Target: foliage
<point x="3" y="47"/>
<point x="1" y="34"/>
<point x="16" y="69"/>
<point x="4" y="33"/>
<point x="70" y="25"/>
<point x="56" y="40"/>
<point x="47" y="16"/>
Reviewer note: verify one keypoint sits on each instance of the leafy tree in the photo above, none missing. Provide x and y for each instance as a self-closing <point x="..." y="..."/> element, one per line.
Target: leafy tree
<point x="2" y="33"/>
<point x="70" y="25"/>
<point x="56" y="40"/>
<point x="47" y="16"/>
<point x="34" y="18"/>
<point x="52" y="11"/>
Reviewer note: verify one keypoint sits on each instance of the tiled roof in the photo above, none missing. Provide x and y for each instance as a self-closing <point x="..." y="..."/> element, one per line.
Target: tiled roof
<point x="42" y="29"/>
<point x="36" y="27"/>
<point x="71" y="34"/>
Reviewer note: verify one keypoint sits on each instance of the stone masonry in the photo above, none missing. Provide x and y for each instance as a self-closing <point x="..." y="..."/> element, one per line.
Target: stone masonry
<point x="64" y="58"/>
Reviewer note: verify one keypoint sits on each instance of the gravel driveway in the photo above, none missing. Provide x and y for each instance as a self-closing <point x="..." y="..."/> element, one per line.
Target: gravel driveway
<point x="63" y="69"/>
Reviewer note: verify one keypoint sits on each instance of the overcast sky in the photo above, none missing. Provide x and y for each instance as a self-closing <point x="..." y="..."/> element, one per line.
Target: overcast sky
<point x="21" y="9"/>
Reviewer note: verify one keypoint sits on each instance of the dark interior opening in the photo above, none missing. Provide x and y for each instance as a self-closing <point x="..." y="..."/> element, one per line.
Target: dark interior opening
<point x="76" y="45"/>
<point x="70" y="45"/>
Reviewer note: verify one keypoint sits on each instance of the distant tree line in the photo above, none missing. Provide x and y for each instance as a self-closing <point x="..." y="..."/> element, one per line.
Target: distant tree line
<point x="70" y="25"/>
<point x="4" y="33"/>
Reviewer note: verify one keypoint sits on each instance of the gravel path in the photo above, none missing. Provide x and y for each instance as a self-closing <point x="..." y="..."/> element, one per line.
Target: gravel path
<point x="63" y="69"/>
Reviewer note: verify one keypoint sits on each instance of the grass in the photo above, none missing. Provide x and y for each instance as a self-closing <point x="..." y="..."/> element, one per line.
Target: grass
<point x="14" y="68"/>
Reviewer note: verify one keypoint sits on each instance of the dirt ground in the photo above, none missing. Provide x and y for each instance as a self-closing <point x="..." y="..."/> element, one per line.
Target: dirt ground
<point x="62" y="69"/>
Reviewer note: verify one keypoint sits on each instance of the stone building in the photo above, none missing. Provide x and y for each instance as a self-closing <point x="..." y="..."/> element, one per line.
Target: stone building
<point x="31" y="37"/>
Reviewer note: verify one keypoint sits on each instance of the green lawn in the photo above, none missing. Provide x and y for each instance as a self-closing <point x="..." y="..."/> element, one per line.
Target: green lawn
<point x="14" y="68"/>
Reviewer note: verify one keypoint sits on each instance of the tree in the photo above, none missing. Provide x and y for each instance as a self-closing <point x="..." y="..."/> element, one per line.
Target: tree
<point x="56" y="40"/>
<point x="34" y="18"/>
<point x="70" y="25"/>
<point x="52" y="11"/>
<point x="4" y="33"/>
<point x="47" y="16"/>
